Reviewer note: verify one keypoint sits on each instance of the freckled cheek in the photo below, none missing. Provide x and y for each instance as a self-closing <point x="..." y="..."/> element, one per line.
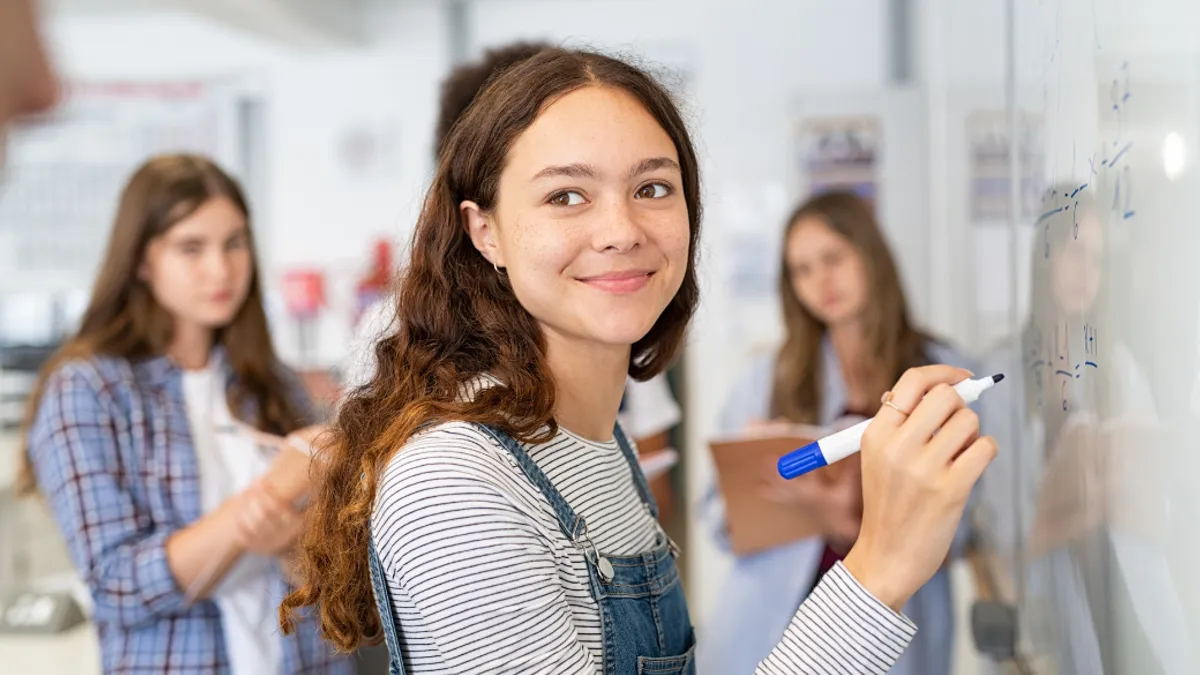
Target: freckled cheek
<point x="545" y="252"/>
<point x="674" y="241"/>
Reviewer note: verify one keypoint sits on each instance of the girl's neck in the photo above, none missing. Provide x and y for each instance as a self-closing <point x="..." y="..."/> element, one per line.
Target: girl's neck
<point x="849" y="342"/>
<point x="190" y="345"/>
<point x="590" y="381"/>
<point x="853" y="355"/>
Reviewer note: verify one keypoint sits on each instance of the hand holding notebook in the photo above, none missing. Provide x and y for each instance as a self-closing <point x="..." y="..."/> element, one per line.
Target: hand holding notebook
<point x="290" y="473"/>
<point x="763" y="510"/>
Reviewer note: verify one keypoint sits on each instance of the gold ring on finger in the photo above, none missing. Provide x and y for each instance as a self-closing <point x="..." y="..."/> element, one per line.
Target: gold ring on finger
<point x="887" y="400"/>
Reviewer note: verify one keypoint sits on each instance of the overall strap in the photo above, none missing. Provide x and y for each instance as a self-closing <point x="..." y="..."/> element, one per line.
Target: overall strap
<point x="573" y="526"/>
<point x="639" y="478"/>
<point x="387" y="616"/>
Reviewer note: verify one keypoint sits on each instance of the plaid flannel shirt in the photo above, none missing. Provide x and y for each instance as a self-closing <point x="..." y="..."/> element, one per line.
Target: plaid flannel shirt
<point x="112" y="450"/>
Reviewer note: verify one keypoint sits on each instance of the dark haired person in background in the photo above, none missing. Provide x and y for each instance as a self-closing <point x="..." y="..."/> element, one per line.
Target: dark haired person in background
<point x="464" y="83"/>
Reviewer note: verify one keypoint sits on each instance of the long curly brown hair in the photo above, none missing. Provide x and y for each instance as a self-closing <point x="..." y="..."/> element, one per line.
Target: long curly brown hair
<point x="462" y="320"/>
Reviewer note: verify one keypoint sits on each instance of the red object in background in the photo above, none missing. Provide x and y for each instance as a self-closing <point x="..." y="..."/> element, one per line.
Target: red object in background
<point x="380" y="274"/>
<point x="374" y="284"/>
<point x="304" y="292"/>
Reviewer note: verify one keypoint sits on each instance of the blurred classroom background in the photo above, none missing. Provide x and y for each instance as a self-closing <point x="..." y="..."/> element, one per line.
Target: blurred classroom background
<point x="325" y="109"/>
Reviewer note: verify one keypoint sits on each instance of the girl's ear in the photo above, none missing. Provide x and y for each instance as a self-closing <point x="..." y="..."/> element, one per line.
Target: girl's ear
<point x="482" y="230"/>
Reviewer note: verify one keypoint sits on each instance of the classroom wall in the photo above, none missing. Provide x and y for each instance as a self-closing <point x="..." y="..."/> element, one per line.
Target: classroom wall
<point x="328" y="209"/>
<point x="960" y="53"/>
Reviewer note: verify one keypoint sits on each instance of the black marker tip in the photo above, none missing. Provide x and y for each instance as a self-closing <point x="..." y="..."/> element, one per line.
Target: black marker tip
<point x="997" y="377"/>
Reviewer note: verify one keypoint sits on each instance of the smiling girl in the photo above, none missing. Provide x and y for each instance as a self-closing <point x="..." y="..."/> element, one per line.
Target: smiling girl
<point x="480" y="480"/>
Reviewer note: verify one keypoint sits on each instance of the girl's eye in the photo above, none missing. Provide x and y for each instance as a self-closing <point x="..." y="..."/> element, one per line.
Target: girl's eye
<point x="567" y="198"/>
<point x="653" y="191"/>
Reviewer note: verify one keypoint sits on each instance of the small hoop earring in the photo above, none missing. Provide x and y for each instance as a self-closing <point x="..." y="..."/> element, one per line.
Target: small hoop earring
<point x="497" y="268"/>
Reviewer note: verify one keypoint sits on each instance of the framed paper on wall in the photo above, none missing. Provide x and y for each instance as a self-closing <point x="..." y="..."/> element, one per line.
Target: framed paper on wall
<point x="841" y="153"/>
<point x="988" y="146"/>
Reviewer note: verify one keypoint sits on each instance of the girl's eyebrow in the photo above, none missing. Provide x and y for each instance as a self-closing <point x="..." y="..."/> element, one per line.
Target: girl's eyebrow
<point x="568" y="170"/>
<point x="653" y="164"/>
<point x="579" y="170"/>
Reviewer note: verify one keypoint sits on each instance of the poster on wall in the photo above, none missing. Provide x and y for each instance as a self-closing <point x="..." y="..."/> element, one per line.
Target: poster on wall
<point x="841" y="153"/>
<point x="988" y="148"/>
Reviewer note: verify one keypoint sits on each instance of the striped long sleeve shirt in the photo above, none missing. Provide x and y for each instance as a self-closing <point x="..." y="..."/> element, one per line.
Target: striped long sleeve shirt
<point x="483" y="579"/>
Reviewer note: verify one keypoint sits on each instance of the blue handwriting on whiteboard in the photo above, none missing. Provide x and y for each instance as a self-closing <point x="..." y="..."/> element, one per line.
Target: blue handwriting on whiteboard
<point x="1123" y="183"/>
<point x="1042" y="364"/>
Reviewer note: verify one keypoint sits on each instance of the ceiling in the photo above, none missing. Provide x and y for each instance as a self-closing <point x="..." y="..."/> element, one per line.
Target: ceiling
<point x="300" y="23"/>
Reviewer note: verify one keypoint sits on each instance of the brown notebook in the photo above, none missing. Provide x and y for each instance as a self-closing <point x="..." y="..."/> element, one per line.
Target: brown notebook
<point x="743" y="465"/>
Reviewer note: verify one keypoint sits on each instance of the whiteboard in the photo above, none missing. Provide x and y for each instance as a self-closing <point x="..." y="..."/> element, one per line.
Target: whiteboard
<point x="1087" y="291"/>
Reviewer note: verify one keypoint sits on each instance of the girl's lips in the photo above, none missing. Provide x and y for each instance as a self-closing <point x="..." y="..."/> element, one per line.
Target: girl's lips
<point x="620" y="283"/>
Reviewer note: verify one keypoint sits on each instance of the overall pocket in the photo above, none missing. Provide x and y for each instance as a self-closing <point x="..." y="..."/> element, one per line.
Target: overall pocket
<point x="668" y="665"/>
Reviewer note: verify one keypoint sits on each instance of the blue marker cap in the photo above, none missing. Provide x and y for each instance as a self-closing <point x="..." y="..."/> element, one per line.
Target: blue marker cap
<point x="799" y="462"/>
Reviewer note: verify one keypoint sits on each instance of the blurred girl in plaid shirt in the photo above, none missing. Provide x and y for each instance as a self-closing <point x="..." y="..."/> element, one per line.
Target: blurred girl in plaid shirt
<point x="146" y="436"/>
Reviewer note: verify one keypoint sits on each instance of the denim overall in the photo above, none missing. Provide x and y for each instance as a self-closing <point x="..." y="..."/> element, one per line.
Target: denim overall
<point x="643" y="612"/>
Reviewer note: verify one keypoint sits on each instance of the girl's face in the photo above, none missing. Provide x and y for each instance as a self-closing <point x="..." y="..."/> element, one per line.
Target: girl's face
<point x="590" y="225"/>
<point x="827" y="272"/>
<point x="201" y="268"/>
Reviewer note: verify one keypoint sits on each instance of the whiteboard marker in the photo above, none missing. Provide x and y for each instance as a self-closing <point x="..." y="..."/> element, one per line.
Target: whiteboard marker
<point x="844" y="443"/>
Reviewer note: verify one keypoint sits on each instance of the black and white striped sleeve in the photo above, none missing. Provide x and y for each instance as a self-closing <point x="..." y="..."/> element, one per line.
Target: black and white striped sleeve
<point x="841" y="628"/>
<point x="481" y="575"/>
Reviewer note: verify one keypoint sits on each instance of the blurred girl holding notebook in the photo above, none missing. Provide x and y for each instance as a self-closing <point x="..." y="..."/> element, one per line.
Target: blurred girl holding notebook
<point x="154" y="435"/>
<point x="848" y="336"/>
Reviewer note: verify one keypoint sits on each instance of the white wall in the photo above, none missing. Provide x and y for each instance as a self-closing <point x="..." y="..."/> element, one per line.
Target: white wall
<point x="153" y="45"/>
<point x="325" y="212"/>
<point x="961" y="52"/>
